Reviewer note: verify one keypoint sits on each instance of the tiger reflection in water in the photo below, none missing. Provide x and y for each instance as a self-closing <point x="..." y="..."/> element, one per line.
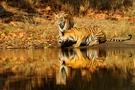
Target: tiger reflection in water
<point x="86" y="60"/>
<point x="64" y="71"/>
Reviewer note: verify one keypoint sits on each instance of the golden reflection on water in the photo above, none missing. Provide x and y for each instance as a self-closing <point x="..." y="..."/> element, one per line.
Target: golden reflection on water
<point x="90" y="60"/>
<point x="29" y="69"/>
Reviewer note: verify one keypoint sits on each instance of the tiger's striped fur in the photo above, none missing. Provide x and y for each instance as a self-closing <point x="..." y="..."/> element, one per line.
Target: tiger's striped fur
<point x="74" y="59"/>
<point x="79" y="60"/>
<point x="87" y="36"/>
<point x="64" y="22"/>
<point x="119" y="39"/>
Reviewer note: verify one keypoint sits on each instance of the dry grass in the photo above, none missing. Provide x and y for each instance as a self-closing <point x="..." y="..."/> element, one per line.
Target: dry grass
<point x="112" y="28"/>
<point x="22" y="29"/>
<point x="26" y="34"/>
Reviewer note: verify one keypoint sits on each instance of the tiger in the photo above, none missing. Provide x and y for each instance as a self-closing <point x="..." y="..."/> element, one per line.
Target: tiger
<point x="65" y="72"/>
<point x="87" y="36"/>
<point x="90" y="60"/>
<point x="72" y="60"/>
<point x="61" y="76"/>
<point x="80" y="60"/>
<point x="64" y="21"/>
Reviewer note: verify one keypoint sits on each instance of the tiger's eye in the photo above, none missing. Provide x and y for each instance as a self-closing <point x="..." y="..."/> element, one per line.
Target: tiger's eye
<point x="61" y="19"/>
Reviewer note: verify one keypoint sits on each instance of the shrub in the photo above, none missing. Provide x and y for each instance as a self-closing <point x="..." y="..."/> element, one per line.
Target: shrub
<point x="81" y="6"/>
<point x="76" y="6"/>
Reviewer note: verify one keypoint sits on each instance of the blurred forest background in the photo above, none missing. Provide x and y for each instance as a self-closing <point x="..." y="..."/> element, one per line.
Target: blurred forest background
<point x="75" y="7"/>
<point x="72" y="6"/>
<point x="30" y="23"/>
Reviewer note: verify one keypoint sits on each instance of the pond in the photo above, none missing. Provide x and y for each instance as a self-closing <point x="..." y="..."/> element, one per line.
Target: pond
<point x="67" y="69"/>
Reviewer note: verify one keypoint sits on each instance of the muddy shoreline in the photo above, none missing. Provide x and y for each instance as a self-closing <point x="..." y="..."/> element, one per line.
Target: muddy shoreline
<point x="107" y="45"/>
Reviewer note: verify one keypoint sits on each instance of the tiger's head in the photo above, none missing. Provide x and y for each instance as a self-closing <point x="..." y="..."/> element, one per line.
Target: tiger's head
<point x="64" y="21"/>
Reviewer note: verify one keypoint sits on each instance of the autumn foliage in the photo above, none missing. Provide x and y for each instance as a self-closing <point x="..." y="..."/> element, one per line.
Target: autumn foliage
<point x="72" y="6"/>
<point x="30" y="23"/>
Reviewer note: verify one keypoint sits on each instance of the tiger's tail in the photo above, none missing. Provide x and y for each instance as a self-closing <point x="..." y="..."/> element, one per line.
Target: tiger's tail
<point x="119" y="39"/>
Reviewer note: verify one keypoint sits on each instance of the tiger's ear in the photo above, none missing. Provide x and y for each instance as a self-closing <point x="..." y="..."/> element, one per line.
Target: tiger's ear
<point x="55" y="15"/>
<point x="66" y="15"/>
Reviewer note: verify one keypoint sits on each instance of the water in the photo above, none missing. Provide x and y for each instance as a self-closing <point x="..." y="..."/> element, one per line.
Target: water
<point x="68" y="69"/>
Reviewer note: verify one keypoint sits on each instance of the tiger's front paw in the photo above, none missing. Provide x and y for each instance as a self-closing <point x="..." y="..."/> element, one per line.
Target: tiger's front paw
<point x="60" y="41"/>
<point x="74" y="45"/>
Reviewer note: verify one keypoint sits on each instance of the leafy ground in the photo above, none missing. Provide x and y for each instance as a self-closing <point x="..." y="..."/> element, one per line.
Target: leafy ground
<point x="20" y="29"/>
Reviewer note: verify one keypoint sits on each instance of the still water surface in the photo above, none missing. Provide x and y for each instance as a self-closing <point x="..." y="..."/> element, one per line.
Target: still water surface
<point x="69" y="69"/>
